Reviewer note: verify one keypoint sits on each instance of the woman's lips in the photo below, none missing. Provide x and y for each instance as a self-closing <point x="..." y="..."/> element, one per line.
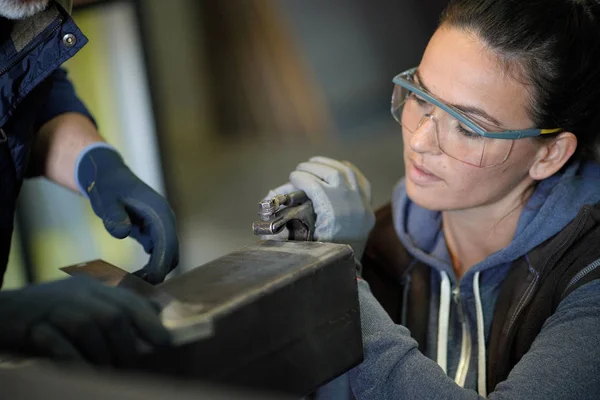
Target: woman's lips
<point x="420" y="175"/>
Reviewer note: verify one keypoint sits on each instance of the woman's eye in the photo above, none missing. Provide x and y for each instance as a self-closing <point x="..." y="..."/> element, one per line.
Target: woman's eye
<point x="467" y="132"/>
<point x="420" y="101"/>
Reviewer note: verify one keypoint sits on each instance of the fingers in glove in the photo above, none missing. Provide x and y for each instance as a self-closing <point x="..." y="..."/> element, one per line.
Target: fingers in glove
<point x="347" y="171"/>
<point x="158" y="227"/>
<point x="119" y="332"/>
<point x="49" y="342"/>
<point x="363" y="182"/>
<point x="142" y="315"/>
<point x="283" y="189"/>
<point x="79" y="327"/>
<point x="115" y="218"/>
<point x="328" y="174"/>
<point x="142" y="235"/>
<point x="312" y="186"/>
<point x="165" y="255"/>
<point x="354" y="177"/>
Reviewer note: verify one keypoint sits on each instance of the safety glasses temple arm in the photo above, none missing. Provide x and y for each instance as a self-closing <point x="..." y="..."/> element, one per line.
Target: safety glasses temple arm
<point x="513" y="134"/>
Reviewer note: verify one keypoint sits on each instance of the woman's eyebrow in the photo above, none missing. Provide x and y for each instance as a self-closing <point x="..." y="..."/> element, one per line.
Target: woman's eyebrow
<point x="465" y="109"/>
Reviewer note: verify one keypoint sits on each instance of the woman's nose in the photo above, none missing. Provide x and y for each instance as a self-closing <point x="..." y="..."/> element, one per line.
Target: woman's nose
<point x="423" y="139"/>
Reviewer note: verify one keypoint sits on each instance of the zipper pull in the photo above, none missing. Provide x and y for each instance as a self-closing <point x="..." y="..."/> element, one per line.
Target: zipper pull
<point x="456" y="298"/>
<point x="3" y="137"/>
<point x="456" y="295"/>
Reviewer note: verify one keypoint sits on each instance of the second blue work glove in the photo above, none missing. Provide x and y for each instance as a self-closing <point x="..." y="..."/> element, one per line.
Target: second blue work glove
<point x="80" y="319"/>
<point x="129" y="207"/>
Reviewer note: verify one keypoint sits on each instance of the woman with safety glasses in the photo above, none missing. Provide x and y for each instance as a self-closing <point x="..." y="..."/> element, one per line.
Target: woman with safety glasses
<point x="482" y="277"/>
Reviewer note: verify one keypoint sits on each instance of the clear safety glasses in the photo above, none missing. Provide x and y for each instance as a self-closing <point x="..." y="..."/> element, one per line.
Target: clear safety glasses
<point x="456" y="134"/>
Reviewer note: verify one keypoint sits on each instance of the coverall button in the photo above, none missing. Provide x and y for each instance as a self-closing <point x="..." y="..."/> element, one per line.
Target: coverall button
<point x="69" y="40"/>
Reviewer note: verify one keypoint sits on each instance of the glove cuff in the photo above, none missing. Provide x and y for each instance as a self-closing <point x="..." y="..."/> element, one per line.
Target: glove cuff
<point x="104" y="155"/>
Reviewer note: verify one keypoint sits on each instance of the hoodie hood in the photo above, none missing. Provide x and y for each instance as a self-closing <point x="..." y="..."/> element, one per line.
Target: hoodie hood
<point x="555" y="202"/>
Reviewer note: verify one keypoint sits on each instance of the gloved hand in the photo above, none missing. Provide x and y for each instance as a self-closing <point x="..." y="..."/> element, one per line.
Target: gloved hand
<point x="341" y="198"/>
<point x="129" y="207"/>
<point x="79" y="319"/>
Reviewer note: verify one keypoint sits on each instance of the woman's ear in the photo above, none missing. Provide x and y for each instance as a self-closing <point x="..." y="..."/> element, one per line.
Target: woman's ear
<point x="552" y="155"/>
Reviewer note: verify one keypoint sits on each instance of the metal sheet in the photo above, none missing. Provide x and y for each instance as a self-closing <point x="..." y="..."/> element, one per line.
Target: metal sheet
<point x="186" y="322"/>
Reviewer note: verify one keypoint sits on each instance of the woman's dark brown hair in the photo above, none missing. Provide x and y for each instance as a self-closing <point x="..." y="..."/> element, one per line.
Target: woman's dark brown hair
<point x="551" y="45"/>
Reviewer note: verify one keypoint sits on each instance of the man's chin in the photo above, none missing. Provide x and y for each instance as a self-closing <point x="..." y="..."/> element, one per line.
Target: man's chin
<point x="21" y="9"/>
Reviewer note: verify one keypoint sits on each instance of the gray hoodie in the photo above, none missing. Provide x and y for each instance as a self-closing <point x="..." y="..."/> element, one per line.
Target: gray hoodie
<point x="564" y="361"/>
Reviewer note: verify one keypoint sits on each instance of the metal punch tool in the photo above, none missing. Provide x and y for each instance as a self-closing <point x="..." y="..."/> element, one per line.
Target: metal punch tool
<point x="293" y="211"/>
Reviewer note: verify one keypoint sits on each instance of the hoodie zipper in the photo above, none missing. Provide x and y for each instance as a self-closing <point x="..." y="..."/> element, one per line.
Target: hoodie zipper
<point x="465" y="350"/>
<point x="580" y="275"/>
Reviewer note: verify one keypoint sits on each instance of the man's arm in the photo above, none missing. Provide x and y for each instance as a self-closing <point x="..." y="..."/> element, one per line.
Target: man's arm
<point x="70" y="152"/>
<point x="65" y="127"/>
<point x="59" y="143"/>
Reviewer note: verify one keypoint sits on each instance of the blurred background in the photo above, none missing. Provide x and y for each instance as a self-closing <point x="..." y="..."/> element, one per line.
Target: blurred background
<point x="213" y="103"/>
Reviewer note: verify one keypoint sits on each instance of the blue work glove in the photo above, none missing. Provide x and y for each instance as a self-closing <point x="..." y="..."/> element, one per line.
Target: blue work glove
<point x="79" y="319"/>
<point x="341" y="198"/>
<point x="129" y="207"/>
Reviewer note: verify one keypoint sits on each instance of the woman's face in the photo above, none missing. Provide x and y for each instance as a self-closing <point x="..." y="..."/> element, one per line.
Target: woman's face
<point x="458" y="69"/>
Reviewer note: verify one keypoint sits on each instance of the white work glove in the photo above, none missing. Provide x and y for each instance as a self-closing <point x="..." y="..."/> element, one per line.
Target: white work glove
<point x="341" y="198"/>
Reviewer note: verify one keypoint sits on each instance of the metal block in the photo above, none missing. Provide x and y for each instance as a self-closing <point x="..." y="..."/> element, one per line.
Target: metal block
<point x="284" y="316"/>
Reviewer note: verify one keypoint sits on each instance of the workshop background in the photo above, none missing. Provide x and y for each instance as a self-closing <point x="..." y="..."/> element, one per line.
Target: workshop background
<point x="213" y="103"/>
